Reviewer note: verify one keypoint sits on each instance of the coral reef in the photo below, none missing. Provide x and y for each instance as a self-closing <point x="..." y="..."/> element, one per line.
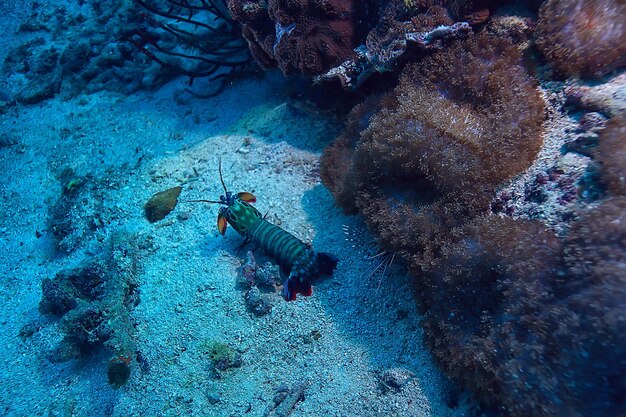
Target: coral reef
<point x="93" y="303"/>
<point x="121" y="46"/>
<point x="471" y="114"/>
<point x="300" y="37"/>
<point x="583" y="37"/>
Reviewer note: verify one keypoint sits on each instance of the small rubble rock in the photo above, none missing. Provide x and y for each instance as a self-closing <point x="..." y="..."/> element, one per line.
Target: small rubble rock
<point x="251" y="274"/>
<point x="285" y="400"/>
<point x="213" y="398"/>
<point x="260" y="304"/>
<point x="394" y="378"/>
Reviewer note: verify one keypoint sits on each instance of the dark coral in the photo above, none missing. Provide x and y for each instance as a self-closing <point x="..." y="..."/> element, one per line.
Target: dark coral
<point x="591" y="332"/>
<point x="457" y="125"/>
<point x="611" y="154"/>
<point x="94" y="302"/>
<point x="483" y="301"/>
<point x="531" y="325"/>
<point x="300" y="36"/>
<point x="583" y="37"/>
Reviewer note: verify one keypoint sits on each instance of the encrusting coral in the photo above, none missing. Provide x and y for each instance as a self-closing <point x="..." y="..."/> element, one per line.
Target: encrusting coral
<point x="583" y="37"/>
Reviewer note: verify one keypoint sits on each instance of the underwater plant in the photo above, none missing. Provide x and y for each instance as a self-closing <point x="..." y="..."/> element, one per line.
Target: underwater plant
<point x="530" y="323"/>
<point x="583" y="37"/>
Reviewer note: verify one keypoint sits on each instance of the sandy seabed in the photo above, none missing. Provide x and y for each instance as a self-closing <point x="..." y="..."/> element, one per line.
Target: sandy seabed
<point x="336" y="342"/>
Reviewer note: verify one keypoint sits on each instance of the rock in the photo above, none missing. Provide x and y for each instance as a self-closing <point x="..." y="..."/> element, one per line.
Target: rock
<point x="395" y="378"/>
<point x="161" y="204"/>
<point x="259" y="304"/>
<point x="40" y="89"/>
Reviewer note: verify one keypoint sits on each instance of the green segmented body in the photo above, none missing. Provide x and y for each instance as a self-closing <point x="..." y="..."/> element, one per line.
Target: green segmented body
<point x="279" y="244"/>
<point x="286" y="249"/>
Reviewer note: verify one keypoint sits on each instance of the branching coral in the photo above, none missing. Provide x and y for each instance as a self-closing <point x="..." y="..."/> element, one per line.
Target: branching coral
<point x="583" y="37"/>
<point x="530" y="323"/>
<point x="457" y="125"/>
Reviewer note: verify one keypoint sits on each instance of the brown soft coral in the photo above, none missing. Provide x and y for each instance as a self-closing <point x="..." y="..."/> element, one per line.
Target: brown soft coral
<point x="483" y="300"/>
<point x="457" y="125"/>
<point x="583" y="37"/>
<point x="597" y="242"/>
<point x="526" y="331"/>
<point x="257" y="28"/>
<point x="593" y="292"/>
<point x="612" y="154"/>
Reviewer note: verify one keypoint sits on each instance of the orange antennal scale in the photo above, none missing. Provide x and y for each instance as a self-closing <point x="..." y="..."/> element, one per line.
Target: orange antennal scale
<point x="247" y="197"/>
<point x="221" y="223"/>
